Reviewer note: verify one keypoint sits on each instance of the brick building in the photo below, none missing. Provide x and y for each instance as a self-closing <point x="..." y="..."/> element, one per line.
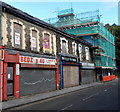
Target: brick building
<point x="37" y="57"/>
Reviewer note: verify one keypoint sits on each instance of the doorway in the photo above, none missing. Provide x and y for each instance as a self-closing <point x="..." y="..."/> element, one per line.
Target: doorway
<point x="10" y="80"/>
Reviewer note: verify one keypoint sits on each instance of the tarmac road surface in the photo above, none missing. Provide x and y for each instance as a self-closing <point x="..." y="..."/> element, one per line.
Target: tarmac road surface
<point x="101" y="97"/>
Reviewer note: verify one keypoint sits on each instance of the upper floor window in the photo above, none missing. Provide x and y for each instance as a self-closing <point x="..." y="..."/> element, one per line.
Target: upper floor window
<point x="64" y="45"/>
<point x="80" y="51"/>
<point x="17" y="35"/>
<point x="87" y="53"/>
<point x="46" y="42"/>
<point x="64" y="49"/>
<point x="74" y="47"/>
<point x="34" y="40"/>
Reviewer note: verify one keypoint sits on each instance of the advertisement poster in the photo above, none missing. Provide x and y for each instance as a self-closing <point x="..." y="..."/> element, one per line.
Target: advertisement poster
<point x="17" y="38"/>
<point x="46" y="43"/>
<point x="33" y="42"/>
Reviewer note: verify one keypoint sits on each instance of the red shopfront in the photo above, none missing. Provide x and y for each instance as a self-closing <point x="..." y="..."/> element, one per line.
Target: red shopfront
<point x="23" y="75"/>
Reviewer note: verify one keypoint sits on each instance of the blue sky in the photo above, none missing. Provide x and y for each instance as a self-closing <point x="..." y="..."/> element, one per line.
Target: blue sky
<point x="43" y="10"/>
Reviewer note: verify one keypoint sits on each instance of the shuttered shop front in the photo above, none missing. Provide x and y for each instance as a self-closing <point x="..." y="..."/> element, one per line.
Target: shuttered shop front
<point x="71" y="76"/>
<point x="87" y="76"/>
<point x="34" y="80"/>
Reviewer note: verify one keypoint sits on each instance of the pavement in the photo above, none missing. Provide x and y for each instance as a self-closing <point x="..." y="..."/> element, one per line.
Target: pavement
<point x="34" y="98"/>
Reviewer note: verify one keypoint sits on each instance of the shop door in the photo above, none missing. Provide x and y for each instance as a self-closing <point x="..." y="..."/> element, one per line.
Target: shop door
<point x="10" y="80"/>
<point x="71" y="76"/>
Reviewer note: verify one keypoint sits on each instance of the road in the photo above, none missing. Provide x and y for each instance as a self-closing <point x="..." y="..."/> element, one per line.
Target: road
<point x="100" y="97"/>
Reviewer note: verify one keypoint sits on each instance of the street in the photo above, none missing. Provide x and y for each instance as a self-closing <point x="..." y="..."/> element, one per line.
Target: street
<point x="102" y="97"/>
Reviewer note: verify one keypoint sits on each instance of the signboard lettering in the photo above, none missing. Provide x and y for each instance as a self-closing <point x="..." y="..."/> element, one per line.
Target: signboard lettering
<point x="69" y="59"/>
<point x="87" y="65"/>
<point x="36" y="60"/>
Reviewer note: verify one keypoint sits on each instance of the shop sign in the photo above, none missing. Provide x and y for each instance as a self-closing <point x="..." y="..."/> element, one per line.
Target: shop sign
<point x="88" y="65"/>
<point x="17" y="38"/>
<point x="69" y="59"/>
<point x="1" y="54"/>
<point x="36" y="60"/>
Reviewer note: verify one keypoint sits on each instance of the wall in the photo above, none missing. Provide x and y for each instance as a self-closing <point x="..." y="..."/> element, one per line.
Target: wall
<point x="55" y="48"/>
<point x="8" y="39"/>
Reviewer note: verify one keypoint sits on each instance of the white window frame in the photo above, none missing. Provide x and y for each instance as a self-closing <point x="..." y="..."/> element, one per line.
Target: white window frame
<point x="61" y="40"/>
<point x="80" y="51"/>
<point x="74" y="48"/>
<point x="12" y="32"/>
<point x="37" y="38"/>
<point x="46" y="32"/>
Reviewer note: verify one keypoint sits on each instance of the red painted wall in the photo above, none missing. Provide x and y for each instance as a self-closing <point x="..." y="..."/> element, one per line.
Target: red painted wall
<point x="1" y="80"/>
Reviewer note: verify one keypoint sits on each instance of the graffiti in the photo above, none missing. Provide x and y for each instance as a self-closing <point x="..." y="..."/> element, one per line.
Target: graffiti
<point x="39" y="81"/>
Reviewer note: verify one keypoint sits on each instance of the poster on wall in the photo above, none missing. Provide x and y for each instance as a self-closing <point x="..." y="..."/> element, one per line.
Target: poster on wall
<point x="33" y="42"/>
<point x="87" y="53"/>
<point x="17" y="38"/>
<point x="46" y="44"/>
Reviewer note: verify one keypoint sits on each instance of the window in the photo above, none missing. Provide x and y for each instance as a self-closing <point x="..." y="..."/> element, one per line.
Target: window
<point x="64" y="49"/>
<point x="46" y="42"/>
<point x="80" y="51"/>
<point x="17" y="35"/>
<point x="74" y="47"/>
<point x="34" y="40"/>
<point x="64" y="45"/>
<point x="87" y="53"/>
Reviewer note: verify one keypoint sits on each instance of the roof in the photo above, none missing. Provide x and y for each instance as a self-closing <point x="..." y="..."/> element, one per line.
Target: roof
<point x="25" y="16"/>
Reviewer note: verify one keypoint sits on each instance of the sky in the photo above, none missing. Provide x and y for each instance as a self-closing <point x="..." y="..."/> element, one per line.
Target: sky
<point x="43" y="10"/>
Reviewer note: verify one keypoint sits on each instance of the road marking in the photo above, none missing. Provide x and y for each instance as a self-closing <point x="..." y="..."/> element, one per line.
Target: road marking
<point x="67" y="107"/>
<point x="90" y="96"/>
<point x="105" y="90"/>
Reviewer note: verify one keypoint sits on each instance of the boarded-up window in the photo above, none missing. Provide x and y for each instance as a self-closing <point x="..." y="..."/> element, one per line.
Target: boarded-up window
<point x="34" y="40"/>
<point x="64" y="46"/>
<point x="17" y="35"/>
<point x="46" y="43"/>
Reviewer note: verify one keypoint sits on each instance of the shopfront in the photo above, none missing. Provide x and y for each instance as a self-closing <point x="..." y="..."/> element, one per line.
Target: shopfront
<point x="70" y="71"/>
<point x="87" y="73"/>
<point x="27" y="74"/>
<point x="37" y="75"/>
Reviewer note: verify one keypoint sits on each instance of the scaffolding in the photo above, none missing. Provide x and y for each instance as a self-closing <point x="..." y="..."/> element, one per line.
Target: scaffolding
<point x="73" y="19"/>
<point x="101" y="38"/>
<point x="87" y="26"/>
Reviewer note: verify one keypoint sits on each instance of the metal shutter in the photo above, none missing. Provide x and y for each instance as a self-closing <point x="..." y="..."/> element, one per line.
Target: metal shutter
<point x="87" y="76"/>
<point x="36" y="80"/>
